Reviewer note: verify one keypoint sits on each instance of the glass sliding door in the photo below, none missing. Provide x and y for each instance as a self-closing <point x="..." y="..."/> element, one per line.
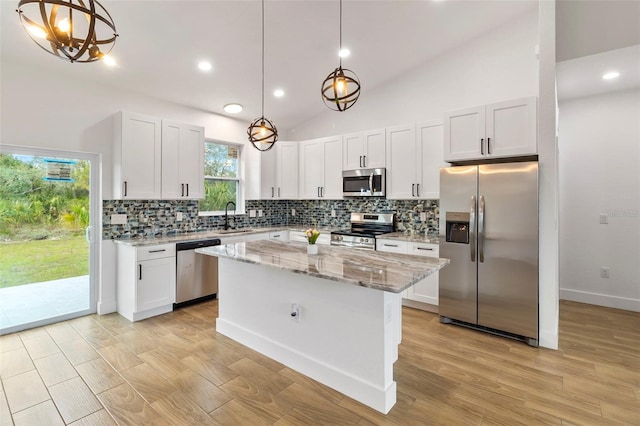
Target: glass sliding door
<point x="48" y="218"/>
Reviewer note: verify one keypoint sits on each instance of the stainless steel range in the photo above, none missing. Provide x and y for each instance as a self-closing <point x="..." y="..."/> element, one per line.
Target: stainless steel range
<point x="364" y="229"/>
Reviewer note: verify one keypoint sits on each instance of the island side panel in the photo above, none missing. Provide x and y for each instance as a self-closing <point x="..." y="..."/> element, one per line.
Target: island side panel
<point x="345" y="336"/>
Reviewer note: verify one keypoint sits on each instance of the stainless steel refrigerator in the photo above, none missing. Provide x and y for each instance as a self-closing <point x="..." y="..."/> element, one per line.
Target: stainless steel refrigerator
<point x="489" y="230"/>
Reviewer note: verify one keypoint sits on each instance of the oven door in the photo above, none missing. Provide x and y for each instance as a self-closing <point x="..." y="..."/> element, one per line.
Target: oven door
<point x="363" y="183"/>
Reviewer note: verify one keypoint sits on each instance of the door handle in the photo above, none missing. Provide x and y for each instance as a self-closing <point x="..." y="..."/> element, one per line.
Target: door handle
<point x="139" y="271"/>
<point x="417" y="189"/>
<point x="278" y="192"/>
<point x="86" y="234"/>
<point x="482" y="146"/>
<point x="413" y="189"/>
<point x="424" y="248"/>
<point x="472" y="228"/>
<point x="361" y="161"/>
<point x="364" y="161"/>
<point x="318" y="190"/>
<point x="182" y="194"/>
<point x="481" y="229"/>
<point x="187" y="190"/>
<point x="322" y="191"/>
<point x="157" y="251"/>
<point x="125" y="188"/>
<point x="272" y="192"/>
<point x="488" y="145"/>
<point x="390" y="245"/>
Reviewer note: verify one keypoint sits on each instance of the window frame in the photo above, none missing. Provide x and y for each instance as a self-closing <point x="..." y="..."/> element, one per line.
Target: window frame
<point x="240" y="201"/>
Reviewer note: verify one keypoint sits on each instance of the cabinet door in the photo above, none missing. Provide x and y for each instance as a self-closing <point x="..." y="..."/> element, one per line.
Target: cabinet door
<point x="156" y="284"/>
<point x="425" y="291"/>
<point x="268" y="160"/>
<point x="401" y="154"/>
<point x="332" y="187"/>
<point x="279" y="235"/>
<point x="512" y="128"/>
<point x="311" y="169"/>
<point x="182" y="161"/>
<point x="138" y="157"/>
<point x="287" y="174"/>
<point x="430" y="138"/>
<point x="353" y="151"/>
<point x="375" y="149"/>
<point x="391" y="246"/>
<point x="464" y="134"/>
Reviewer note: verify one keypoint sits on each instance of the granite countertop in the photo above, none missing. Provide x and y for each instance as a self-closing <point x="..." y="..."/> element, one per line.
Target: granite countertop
<point x="416" y="238"/>
<point x="201" y="235"/>
<point x="382" y="271"/>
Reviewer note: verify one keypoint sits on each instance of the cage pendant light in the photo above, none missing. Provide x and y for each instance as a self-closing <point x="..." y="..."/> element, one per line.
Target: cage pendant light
<point x="73" y="30"/>
<point x="341" y="88"/>
<point x="262" y="132"/>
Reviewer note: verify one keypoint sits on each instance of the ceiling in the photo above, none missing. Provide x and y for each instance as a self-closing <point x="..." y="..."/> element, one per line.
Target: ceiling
<point x="160" y="43"/>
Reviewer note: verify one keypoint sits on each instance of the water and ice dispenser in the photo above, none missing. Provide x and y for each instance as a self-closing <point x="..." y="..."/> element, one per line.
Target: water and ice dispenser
<point x="457" y="227"/>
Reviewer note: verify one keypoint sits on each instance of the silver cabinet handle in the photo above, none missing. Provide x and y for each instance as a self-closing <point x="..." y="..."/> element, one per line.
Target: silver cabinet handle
<point x="413" y="189"/>
<point x="364" y="161"/>
<point x="139" y="271"/>
<point x="361" y="161"/>
<point x="157" y="251"/>
<point x="390" y="245"/>
<point x="481" y="228"/>
<point x="472" y="228"/>
<point x="482" y="146"/>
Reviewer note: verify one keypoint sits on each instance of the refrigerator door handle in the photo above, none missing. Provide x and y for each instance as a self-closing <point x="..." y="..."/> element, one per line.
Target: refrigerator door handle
<point x="472" y="228"/>
<point x="481" y="228"/>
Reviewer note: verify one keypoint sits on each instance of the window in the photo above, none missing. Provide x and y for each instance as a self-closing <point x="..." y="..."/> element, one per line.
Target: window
<point x="221" y="176"/>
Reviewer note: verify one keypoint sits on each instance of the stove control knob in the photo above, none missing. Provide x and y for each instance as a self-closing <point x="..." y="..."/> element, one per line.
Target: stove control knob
<point x="340" y="238"/>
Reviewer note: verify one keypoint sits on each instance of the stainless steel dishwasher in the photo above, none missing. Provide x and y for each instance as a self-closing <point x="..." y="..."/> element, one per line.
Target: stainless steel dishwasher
<point x="196" y="274"/>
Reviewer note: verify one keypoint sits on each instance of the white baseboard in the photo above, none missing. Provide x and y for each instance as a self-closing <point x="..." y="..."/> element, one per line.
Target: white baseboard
<point x="106" y="307"/>
<point x="367" y="393"/>
<point x="600" y="299"/>
<point x="547" y="339"/>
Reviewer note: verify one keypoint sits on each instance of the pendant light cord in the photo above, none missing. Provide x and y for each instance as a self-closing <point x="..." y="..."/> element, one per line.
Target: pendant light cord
<point x="340" y="51"/>
<point x="263" y="58"/>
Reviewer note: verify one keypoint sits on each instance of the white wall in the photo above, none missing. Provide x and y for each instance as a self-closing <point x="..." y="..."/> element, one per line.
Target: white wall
<point x="498" y="66"/>
<point x="599" y="139"/>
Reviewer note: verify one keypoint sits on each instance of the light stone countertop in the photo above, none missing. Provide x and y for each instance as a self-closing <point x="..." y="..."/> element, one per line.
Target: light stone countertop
<point x="202" y="235"/>
<point x="367" y="268"/>
<point x="406" y="236"/>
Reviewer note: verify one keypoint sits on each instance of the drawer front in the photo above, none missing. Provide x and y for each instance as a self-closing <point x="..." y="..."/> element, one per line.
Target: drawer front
<point x="155" y="252"/>
<point x="392" y="246"/>
<point x="424" y="249"/>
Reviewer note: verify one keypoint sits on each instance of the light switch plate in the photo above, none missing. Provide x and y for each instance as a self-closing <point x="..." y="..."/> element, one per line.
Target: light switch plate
<point x="293" y="212"/>
<point x="118" y="219"/>
<point x="252" y="213"/>
<point x="179" y="217"/>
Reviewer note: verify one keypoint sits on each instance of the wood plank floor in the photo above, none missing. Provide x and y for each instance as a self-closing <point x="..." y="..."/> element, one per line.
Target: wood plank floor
<point x="175" y="369"/>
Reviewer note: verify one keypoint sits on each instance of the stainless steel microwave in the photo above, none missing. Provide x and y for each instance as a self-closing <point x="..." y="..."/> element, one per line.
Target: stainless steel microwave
<point x="364" y="183"/>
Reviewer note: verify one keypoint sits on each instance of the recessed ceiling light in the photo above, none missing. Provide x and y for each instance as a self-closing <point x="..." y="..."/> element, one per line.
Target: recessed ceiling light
<point x="278" y="93"/>
<point x="344" y="52"/>
<point x="233" y="108"/>
<point x="611" y="75"/>
<point x="204" y="66"/>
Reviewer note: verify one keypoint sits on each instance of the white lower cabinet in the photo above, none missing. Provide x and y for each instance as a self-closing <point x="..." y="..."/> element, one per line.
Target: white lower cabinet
<point x="146" y="280"/>
<point x="425" y="292"/>
<point x="279" y="235"/>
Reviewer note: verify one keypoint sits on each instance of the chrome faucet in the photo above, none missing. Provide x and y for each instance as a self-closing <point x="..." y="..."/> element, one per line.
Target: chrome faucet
<point x="226" y="214"/>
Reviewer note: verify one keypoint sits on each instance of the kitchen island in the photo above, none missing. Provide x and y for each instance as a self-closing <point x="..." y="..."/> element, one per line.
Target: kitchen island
<point x="335" y="316"/>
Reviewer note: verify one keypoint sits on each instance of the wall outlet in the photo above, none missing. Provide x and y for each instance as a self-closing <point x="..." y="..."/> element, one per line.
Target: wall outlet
<point x="118" y="219"/>
<point x="293" y="212"/>
<point x="333" y="213"/>
<point x="604" y="272"/>
<point x="423" y="216"/>
<point x="252" y="213"/>
<point x="259" y="213"/>
<point x="604" y="219"/>
<point x="179" y="217"/>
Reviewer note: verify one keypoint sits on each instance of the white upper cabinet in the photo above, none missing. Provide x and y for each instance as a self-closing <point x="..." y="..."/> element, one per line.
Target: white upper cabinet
<point x="430" y="158"/>
<point x="137" y="151"/>
<point x="500" y="130"/>
<point x="321" y="168"/>
<point x="401" y="154"/>
<point x="156" y="159"/>
<point x="364" y="150"/>
<point x="182" y="161"/>
<point x="279" y="171"/>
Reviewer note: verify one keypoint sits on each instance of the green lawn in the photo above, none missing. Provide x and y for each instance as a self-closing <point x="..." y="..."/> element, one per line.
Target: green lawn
<point x="26" y="262"/>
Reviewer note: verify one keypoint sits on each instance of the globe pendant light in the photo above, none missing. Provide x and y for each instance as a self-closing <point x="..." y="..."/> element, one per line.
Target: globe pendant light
<point x="262" y="132"/>
<point x="73" y="30"/>
<point x="341" y="88"/>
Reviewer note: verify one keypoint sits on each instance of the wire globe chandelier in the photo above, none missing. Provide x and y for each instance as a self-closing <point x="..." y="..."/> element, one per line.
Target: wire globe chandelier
<point x="341" y="89"/>
<point x="262" y="132"/>
<point x="72" y="30"/>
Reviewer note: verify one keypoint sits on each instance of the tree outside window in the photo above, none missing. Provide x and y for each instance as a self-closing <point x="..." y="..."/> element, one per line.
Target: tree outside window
<point x="222" y="176"/>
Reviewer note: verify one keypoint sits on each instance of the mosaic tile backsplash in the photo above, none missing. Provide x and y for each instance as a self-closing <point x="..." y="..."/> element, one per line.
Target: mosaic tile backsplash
<point x="148" y="218"/>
